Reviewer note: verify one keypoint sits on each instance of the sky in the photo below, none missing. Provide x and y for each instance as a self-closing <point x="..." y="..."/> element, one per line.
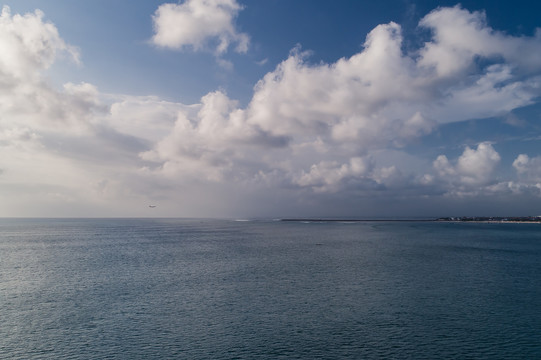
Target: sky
<point x="270" y="109"/>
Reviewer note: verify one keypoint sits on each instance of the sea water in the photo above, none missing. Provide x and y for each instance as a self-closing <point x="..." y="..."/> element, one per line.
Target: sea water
<point x="218" y="289"/>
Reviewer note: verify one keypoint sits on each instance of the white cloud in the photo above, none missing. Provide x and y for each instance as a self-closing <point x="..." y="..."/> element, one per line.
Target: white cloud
<point x="460" y="36"/>
<point x="529" y="171"/>
<point x="212" y="140"/>
<point x="50" y="147"/>
<point x="199" y="24"/>
<point x="28" y="45"/>
<point x="330" y="176"/>
<point x="347" y="100"/>
<point x="515" y="188"/>
<point x="472" y="172"/>
<point x="382" y="96"/>
<point x="307" y="129"/>
<point x="443" y="167"/>
<point x="529" y="167"/>
<point x="476" y="166"/>
<point x="319" y="117"/>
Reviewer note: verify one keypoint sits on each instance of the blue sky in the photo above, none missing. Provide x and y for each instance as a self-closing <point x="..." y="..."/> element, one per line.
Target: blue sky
<point x="225" y="108"/>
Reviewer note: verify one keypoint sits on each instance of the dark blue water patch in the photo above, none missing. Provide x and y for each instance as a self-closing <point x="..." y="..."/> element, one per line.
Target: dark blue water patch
<point x="214" y="289"/>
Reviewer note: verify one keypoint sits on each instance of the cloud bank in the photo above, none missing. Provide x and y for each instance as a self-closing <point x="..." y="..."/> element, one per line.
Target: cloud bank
<point x="328" y="116"/>
<point x="311" y="132"/>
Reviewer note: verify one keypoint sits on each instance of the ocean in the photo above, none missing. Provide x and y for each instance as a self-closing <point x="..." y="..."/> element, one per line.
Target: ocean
<point x="220" y="289"/>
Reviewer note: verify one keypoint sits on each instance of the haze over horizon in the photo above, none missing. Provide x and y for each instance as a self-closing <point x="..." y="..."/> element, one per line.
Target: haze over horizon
<point x="245" y="109"/>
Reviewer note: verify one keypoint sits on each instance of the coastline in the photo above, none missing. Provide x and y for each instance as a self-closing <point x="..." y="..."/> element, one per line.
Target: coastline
<point x="475" y="219"/>
<point x="494" y="219"/>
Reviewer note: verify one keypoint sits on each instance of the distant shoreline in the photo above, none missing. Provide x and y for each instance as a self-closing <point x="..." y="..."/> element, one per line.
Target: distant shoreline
<point x="493" y="219"/>
<point x="472" y="219"/>
<point x="352" y="220"/>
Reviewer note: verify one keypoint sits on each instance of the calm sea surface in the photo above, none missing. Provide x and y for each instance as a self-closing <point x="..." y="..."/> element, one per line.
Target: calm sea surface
<point x="208" y="289"/>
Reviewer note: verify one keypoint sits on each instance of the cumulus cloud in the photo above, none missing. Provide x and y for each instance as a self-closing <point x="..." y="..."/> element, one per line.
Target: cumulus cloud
<point x="199" y="24"/>
<point x="330" y="176"/>
<point x="45" y="131"/>
<point x="529" y="167"/>
<point x="529" y="174"/>
<point x="460" y="36"/>
<point x="472" y="171"/>
<point x="308" y="128"/>
<point x="322" y="116"/>
<point x="210" y="141"/>
<point x="476" y="165"/>
<point x="148" y="118"/>
<point x="28" y="45"/>
<point x="383" y="95"/>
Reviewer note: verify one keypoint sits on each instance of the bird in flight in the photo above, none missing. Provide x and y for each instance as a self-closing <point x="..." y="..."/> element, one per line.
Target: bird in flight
<point x="152" y="206"/>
